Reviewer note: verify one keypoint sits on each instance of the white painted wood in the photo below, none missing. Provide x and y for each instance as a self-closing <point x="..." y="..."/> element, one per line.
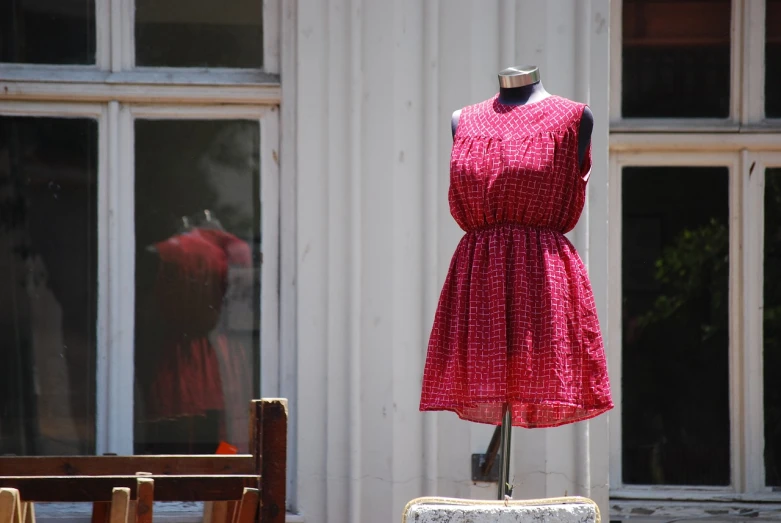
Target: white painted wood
<point x="288" y="358"/>
<point x="738" y="443"/>
<point x="121" y="282"/>
<point x="126" y="33"/>
<point x="355" y="104"/>
<point x="432" y="125"/>
<point x="693" y="142"/>
<point x="103" y="34"/>
<point x="272" y="29"/>
<point x="270" y="200"/>
<point x="19" y="84"/>
<point x="596" y="39"/>
<point x="644" y="511"/>
<point x="311" y="69"/>
<point x="753" y="66"/>
<point x="751" y="410"/>
<point x="616" y="51"/>
<point x="103" y="337"/>
<point x="114" y="29"/>
<point x="737" y="29"/>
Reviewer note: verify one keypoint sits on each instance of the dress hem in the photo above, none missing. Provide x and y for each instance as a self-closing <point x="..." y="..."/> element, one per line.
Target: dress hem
<point x="587" y="413"/>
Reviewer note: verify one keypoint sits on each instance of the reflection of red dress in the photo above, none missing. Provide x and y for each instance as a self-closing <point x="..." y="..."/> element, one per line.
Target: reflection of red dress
<point x="199" y="368"/>
<point x="190" y="287"/>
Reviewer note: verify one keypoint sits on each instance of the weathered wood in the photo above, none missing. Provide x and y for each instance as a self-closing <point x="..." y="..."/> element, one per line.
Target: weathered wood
<point x="268" y="443"/>
<point x="99" y="488"/>
<point x="247" y="510"/>
<point x="28" y="512"/>
<point x="10" y="506"/>
<point x="120" y="505"/>
<point x="184" y="465"/>
<point x="145" y="500"/>
<point x="101" y="512"/>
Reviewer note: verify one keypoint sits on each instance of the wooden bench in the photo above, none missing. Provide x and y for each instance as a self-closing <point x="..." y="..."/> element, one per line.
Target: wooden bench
<point x="244" y="488"/>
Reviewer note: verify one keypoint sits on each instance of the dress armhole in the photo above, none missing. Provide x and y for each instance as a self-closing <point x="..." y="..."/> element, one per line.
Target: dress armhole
<point x="585" y="168"/>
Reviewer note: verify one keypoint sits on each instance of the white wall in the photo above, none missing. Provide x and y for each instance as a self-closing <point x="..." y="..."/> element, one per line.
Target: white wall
<point x="368" y="96"/>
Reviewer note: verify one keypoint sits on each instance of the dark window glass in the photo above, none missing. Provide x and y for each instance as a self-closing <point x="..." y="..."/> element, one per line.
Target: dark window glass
<point x="198" y="262"/>
<point x="58" y="32"/>
<point x="675" y="404"/>
<point x="773" y="59"/>
<point x="48" y="285"/>
<point x="199" y="33"/>
<point x="771" y="330"/>
<point x="676" y="58"/>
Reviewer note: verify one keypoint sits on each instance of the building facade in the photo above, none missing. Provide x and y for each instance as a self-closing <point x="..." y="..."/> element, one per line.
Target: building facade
<point x="318" y="134"/>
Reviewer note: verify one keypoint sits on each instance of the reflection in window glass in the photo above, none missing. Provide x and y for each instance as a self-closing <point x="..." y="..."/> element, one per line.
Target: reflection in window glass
<point x="676" y="58"/>
<point x="675" y="246"/>
<point x="773" y="59"/>
<point x="199" y="33"/>
<point x="771" y="330"/>
<point x="197" y="284"/>
<point x="48" y="284"/>
<point x="58" y="32"/>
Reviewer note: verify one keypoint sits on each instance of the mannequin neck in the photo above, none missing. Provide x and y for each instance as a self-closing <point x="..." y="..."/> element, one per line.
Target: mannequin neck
<point x="522" y="95"/>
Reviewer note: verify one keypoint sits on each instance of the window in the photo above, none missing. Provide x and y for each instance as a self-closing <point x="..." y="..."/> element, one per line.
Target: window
<point x="139" y="212"/>
<point x="695" y="179"/>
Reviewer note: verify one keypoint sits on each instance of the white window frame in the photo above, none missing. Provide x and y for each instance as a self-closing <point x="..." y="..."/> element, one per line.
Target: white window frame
<point x="747" y="142"/>
<point x="115" y="93"/>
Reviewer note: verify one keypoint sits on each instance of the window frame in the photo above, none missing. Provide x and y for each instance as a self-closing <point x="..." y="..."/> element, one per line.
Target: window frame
<point x="747" y="78"/>
<point x="115" y="93"/>
<point x="747" y="142"/>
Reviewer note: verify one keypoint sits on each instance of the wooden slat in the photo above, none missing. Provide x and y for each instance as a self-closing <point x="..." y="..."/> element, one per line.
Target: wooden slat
<point x="248" y="508"/>
<point x="100" y="512"/>
<point x="99" y="488"/>
<point x="145" y="500"/>
<point x="28" y="512"/>
<point x="268" y="440"/>
<point x="10" y="506"/>
<point x="184" y="465"/>
<point x="120" y="505"/>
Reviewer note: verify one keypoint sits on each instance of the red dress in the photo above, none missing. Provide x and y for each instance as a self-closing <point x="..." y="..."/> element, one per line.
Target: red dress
<point x="516" y="322"/>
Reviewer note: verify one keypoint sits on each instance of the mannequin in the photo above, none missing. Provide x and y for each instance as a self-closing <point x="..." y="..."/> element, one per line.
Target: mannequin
<point x="521" y="85"/>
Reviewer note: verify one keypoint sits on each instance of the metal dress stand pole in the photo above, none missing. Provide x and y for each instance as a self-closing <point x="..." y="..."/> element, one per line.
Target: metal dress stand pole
<point x="504" y="452"/>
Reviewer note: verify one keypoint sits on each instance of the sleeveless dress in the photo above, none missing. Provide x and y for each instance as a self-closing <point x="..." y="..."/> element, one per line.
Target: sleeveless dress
<point x="516" y="323"/>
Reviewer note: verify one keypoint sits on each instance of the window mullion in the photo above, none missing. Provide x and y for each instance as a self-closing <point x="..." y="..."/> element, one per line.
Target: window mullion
<point x="122" y="20"/>
<point x="736" y="69"/>
<point x="752" y="404"/>
<point x="118" y="420"/>
<point x="103" y="34"/>
<point x="753" y="69"/>
<point x="269" y="287"/>
<point x="614" y="340"/>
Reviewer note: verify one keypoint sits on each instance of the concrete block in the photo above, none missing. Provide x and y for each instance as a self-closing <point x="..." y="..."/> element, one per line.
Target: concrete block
<point x="452" y="510"/>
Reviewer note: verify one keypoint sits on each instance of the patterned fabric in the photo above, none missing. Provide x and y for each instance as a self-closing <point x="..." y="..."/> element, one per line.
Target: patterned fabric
<point x="516" y="322"/>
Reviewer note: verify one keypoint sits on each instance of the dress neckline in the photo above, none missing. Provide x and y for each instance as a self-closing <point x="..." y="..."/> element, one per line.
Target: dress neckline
<point x="514" y="106"/>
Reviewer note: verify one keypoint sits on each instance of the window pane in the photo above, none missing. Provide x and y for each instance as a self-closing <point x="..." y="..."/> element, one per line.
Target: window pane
<point x="197" y="284"/>
<point x="676" y="58"/>
<point x="773" y="59"/>
<point x="771" y="331"/>
<point x="675" y="246"/>
<point x="47" y="32"/>
<point x="48" y="283"/>
<point x="199" y="33"/>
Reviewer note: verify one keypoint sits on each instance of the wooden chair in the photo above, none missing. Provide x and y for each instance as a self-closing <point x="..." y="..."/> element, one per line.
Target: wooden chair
<point x="242" y="488"/>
